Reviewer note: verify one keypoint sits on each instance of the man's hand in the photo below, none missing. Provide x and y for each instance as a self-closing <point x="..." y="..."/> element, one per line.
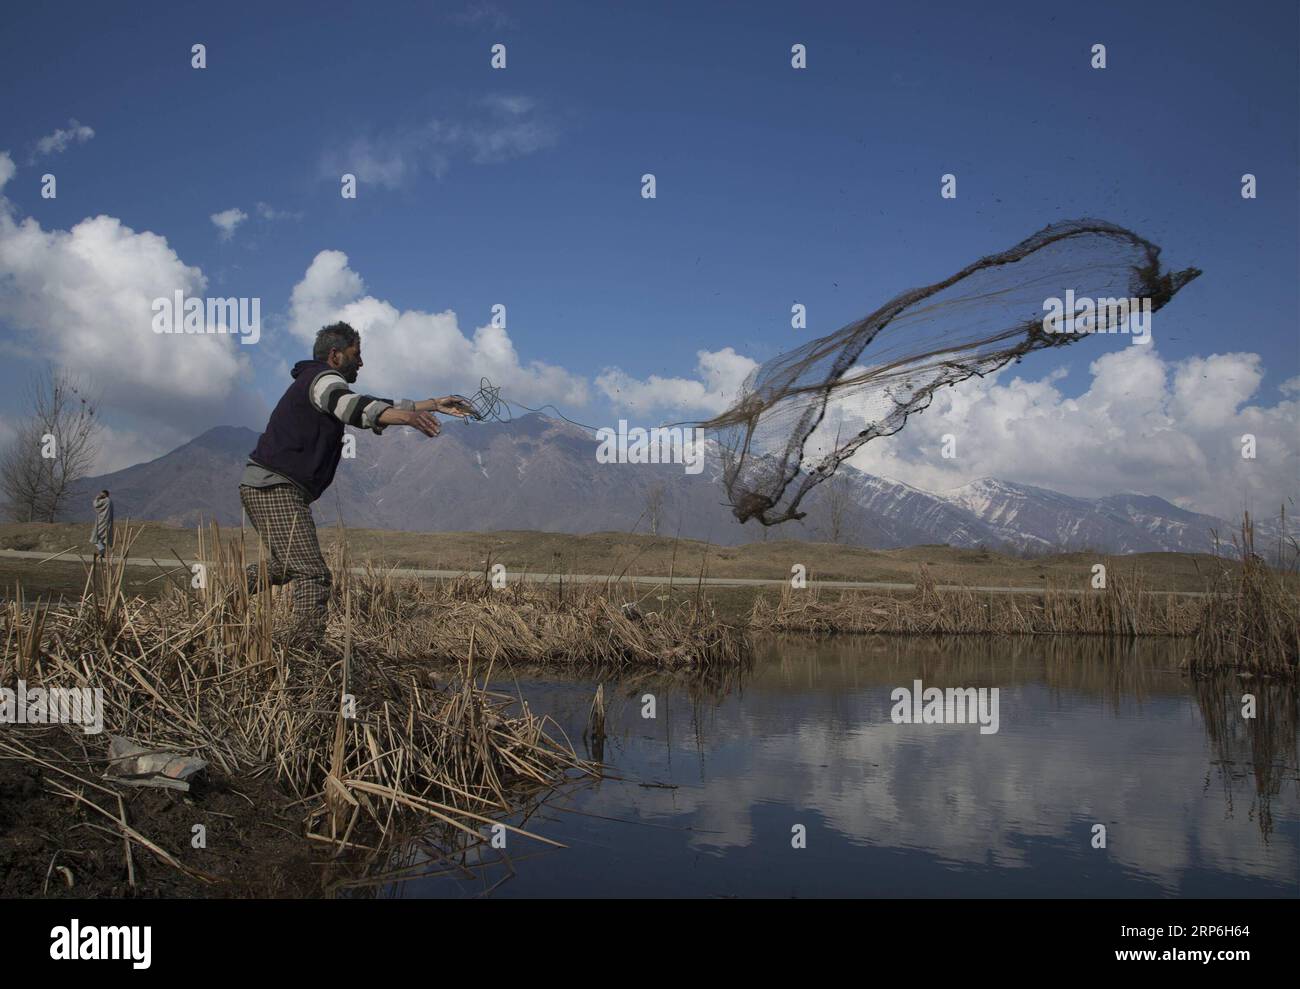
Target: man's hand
<point x="422" y="421"/>
<point x="453" y="405"/>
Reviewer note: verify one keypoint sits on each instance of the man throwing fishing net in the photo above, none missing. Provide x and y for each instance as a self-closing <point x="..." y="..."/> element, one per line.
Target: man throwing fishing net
<point x="295" y="460"/>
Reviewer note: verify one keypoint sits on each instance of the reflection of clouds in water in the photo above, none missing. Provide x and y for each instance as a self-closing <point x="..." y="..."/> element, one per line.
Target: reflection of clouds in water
<point x="1061" y="763"/>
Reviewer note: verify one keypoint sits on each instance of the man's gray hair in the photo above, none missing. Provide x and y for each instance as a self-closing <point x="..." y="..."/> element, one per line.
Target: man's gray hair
<point x="336" y="336"/>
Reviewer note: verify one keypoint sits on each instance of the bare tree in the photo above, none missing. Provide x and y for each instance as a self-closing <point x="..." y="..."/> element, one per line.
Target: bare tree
<point x="654" y="507"/>
<point x="53" y="448"/>
<point x="24" y="475"/>
<point x="838" y="501"/>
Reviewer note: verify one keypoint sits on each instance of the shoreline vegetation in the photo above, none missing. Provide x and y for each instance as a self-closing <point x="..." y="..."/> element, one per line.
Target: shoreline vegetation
<point x="351" y="749"/>
<point x="663" y="602"/>
<point x="1240" y="614"/>
<point x="389" y="753"/>
<point x="1247" y="619"/>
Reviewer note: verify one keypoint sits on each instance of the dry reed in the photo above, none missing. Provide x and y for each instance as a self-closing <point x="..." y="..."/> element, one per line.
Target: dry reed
<point x="1123" y="608"/>
<point x="366" y="746"/>
<point x="1251" y="621"/>
<point x="559" y="624"/>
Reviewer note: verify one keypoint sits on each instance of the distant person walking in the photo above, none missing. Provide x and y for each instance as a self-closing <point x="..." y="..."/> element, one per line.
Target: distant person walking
<point x="102" y="535"/>
<point x="295" y="460"/>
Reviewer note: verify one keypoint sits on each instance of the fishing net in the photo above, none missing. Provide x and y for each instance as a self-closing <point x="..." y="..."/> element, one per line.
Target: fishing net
<point x="801" y="414"/>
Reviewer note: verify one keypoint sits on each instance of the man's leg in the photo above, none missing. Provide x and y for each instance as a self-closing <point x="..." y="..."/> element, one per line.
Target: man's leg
<point x="258" y="509"/>
<point x="282" y="517"/>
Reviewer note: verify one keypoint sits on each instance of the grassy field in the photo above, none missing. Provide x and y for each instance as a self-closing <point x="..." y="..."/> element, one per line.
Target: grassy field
<point x="620" y="553"/>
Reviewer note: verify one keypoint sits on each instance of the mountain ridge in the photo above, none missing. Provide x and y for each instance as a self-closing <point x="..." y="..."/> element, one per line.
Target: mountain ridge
<point x="540" y="473"/>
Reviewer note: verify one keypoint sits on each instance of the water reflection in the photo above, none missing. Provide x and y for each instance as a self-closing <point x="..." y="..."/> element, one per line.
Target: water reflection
<point x="1259" y="751"/>
<point x="1195" y="800"/>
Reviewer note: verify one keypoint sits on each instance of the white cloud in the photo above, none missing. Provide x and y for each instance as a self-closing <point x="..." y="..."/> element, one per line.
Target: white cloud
<point x="75" y="133"/>
<point x="508" y="128"/>
<point x="120" y="448"/>
<point x="720" y="375"/>
<point x="327" y="286"/>
<point x="515" y="106"/>
<point x="268" y="212"/>
<point x="414" y="354"/>
<point x="82" y="299"/>
<point x="1146" y="425"/>
<point x="488" y="14"/>
<point x="227" y="221"/>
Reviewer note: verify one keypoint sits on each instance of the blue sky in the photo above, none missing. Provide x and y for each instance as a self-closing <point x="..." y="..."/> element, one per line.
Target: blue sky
<point x="522" y="186"/>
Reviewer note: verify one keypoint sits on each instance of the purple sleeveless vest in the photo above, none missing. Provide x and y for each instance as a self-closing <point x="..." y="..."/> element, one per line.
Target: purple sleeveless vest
<point x="301" y="442"/>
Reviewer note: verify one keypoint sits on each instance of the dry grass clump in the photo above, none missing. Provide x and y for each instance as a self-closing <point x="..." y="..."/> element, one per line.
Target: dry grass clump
<point x="1123" y="608"/>
<point x="365" y="747"/>
<point x="564" y="624"/>
<point x="1251" y="620"/>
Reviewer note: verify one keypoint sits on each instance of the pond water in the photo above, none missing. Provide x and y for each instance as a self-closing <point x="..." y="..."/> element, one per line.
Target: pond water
<point x="1194" y="799"/>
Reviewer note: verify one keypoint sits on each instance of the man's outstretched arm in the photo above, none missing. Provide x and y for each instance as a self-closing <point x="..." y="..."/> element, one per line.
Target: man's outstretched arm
<point x="450" y="405"/>
<point x="418" y="413"/>
<point x="418" y="419"/>
<point x="330" y="394"/>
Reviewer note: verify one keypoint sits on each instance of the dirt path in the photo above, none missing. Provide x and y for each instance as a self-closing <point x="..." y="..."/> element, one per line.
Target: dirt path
<point x="170" y="566"/>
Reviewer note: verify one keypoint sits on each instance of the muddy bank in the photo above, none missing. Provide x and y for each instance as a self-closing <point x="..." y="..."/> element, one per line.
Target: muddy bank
<point x="51" y="845"/>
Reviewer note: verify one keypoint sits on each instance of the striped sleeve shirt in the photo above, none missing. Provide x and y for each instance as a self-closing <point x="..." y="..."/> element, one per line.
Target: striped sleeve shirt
<point x="330" y="394"/>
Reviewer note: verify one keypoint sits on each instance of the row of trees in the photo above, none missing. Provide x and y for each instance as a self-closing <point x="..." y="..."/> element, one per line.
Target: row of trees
<point x="53" y="447"/>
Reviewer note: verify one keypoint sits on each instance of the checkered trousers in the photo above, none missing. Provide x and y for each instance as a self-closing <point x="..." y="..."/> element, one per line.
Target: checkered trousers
<point x="282" y="517"/>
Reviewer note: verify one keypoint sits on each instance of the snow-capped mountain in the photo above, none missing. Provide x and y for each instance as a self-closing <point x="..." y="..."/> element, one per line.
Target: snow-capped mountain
<point x="1027" y="517"/>
<point x="540" y="473"/>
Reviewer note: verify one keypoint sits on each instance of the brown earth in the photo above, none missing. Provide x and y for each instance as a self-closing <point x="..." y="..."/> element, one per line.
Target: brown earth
<point x="254" y="845"/>
<point x="618" y="553"/>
